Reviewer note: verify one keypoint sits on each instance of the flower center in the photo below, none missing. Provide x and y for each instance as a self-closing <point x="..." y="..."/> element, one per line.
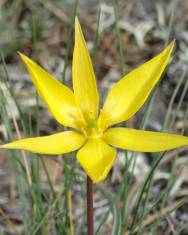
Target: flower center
<point x="91" y="128"/>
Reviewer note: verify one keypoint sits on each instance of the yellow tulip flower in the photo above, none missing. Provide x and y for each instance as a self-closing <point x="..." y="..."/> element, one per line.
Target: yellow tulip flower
<point x="93" y="135"/>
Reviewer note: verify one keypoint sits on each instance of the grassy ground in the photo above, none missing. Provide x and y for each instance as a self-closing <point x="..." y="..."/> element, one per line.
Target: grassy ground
<point x="144" y="193"/>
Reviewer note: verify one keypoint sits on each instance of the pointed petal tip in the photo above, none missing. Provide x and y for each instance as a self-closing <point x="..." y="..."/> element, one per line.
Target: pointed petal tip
<point x="23" y="57"/>
<point x="77" y="24"/>
<point x="97" y="181"/>
<point x="5" y="146"/>
<point x="76" y="19"/>
<point x="171" y="46"/>
<point x="20" y="54"/>
<point x="173" y="41"/>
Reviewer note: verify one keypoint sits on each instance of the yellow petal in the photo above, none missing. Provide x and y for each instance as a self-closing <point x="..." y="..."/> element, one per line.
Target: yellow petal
<point x="84" y="83"/>
<point x="130" y="93"/>
<point x="58" y="98"/>
<point x="97" y="158"/>
<point x="63" y="142"/>
<point x="144" y="141"/>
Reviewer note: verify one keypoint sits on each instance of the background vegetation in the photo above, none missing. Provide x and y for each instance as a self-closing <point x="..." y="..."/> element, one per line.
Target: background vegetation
<point x="144" y="193"/>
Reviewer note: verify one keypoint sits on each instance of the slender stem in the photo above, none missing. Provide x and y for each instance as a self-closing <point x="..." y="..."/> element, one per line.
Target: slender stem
<point x="90" y="228"/>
